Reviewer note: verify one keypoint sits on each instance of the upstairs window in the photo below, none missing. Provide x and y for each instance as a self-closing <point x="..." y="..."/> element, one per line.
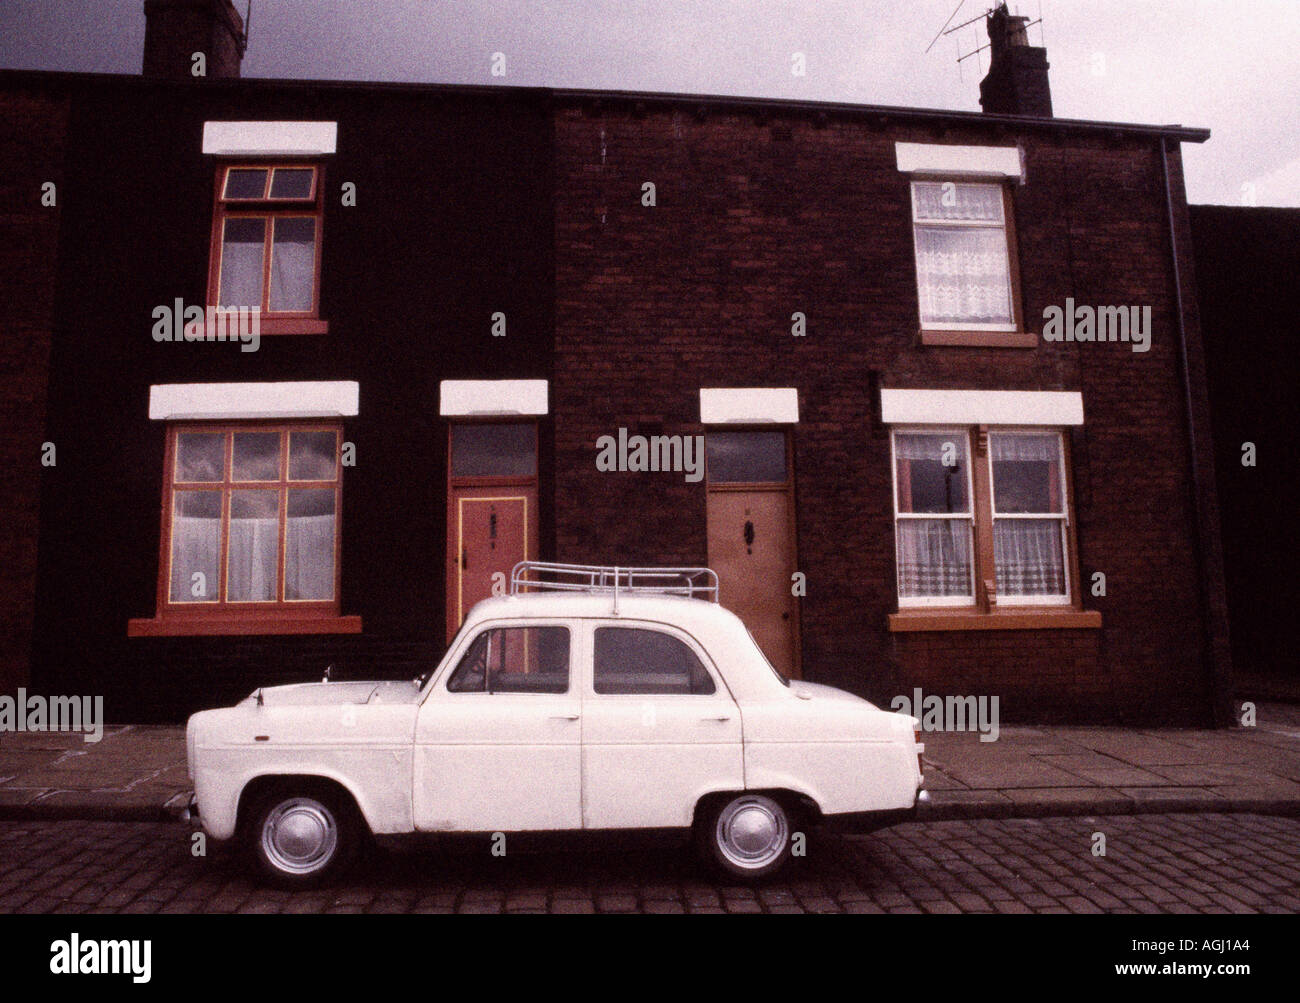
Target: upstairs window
<point x="964" y="267"/>
<point x="266" y="243"/>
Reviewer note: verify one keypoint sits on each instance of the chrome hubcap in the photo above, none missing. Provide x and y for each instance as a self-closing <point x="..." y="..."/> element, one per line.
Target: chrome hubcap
<point x="752" y="831"/>
<point x="300" y="836"/>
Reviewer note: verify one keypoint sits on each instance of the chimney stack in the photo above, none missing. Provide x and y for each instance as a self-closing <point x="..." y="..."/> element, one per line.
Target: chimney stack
<point x="176" y="29"/>
<point x="1017" y="79"/>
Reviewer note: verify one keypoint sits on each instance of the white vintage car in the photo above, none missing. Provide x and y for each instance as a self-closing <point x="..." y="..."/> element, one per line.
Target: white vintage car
<point x="588" y="698"/>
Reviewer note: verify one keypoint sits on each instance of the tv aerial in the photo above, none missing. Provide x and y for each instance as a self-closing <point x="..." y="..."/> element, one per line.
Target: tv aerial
<point x="961" y="58"/>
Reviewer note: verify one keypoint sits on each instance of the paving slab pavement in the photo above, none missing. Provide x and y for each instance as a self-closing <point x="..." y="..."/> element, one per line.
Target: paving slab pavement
<point x="1036" y="771"/>
<point x="137" y="772"/>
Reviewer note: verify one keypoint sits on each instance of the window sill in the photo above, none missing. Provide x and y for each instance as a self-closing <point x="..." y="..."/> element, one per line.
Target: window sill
<point x="197" y="626"/>
<point x="1008" y="618"/>
<point x="293" y="325"/>
<point x="979" y="339"/>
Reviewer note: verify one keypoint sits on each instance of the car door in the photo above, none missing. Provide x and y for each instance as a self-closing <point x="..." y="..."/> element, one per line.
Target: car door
<point x="497" y="739"/>
<point x="660" y="729"/>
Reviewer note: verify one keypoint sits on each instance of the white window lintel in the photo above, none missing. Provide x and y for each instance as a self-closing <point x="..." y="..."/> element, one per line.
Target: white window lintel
<point x="269" y="139"/>
<point x="749" y="405"/>
<point x="991" y="162"/>
<point x="981" y="407"/>
<point x="218" y="401"/>
<point x="492" y="398"/>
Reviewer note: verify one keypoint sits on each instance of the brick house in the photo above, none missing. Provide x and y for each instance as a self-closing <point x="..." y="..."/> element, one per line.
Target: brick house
<point x="470" y="298"/>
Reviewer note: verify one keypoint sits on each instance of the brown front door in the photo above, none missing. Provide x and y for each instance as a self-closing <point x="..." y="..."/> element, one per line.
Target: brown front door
<point x="751" y="538"/>
<point x="491" y="511"/>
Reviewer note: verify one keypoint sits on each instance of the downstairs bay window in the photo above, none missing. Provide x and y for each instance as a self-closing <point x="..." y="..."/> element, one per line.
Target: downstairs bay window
<point x="982" y="516"/>
<point x="250" y="534"/>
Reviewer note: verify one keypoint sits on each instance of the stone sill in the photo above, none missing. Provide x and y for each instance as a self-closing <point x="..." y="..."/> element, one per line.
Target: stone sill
<point x="1011" y="618"/>
<point x="203" y="626"/>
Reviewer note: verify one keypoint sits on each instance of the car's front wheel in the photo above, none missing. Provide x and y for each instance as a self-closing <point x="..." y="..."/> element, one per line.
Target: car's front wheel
<point x="746" y="835"/>
<point x="301" y="840"/>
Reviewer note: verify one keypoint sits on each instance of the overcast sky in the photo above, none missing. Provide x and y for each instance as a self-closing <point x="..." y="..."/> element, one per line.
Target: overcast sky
<point x="1232" y="66"/>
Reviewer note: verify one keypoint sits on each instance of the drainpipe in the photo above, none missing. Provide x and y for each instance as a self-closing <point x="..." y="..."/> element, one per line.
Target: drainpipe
<point x="1220" y="692"/>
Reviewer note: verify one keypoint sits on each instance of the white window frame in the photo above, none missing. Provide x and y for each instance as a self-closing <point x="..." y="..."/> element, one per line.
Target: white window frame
<point x="905" y="602"/>
<point x="1062" y="517"/>
<point x="1014" y="326"/>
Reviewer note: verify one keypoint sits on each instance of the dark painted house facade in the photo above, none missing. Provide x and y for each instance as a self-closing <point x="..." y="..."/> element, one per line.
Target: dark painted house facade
<point x="1246" y="261"/>
<point x="469" y="296"/>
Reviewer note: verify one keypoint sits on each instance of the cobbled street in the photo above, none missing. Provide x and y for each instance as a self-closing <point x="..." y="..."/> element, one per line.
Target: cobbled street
<point x="1153" y="864"/>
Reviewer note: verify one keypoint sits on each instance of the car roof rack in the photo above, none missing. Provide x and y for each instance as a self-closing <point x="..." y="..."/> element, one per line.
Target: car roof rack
<point x="541" y="576"/>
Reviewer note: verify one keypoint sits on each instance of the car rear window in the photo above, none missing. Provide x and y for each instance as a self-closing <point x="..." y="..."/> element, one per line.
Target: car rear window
<point x="648" y="662"/>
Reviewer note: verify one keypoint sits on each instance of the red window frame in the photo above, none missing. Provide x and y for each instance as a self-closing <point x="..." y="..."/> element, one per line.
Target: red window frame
<point x="222" y="615"/>
<point x="269" y="209"/>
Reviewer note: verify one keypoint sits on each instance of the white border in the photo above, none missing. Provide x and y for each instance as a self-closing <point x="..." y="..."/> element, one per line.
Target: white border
<point x="1012" y="599"/>
<point x="258" y="139"/>
<point x="749" y="406"/>
<point x="489" y="398"/>
<point x="215" y="401"/>
<point x="981" y="407"/>
<point x="963" y="161"/>
<point x="948" y="601"/>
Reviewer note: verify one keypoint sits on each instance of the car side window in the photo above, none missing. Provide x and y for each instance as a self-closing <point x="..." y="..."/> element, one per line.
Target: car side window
<point x="635" y="660"/>
<point x="514" y="660"/>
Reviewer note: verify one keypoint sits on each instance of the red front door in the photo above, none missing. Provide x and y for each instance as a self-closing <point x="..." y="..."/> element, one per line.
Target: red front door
<point x="491" y="511"/>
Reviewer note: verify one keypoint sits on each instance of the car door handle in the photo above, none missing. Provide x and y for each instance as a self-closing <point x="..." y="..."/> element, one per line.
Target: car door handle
<point x="720" y="717"/>
<point x="564" y="717"/>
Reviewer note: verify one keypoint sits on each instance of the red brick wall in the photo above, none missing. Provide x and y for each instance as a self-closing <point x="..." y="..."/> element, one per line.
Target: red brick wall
<point x="756" y="220"/>
<point x="32" y="135"/>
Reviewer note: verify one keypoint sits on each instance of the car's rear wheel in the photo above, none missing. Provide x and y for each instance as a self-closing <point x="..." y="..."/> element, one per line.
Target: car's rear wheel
<point x="303" y="839"/>
<point x="746" y="835"/>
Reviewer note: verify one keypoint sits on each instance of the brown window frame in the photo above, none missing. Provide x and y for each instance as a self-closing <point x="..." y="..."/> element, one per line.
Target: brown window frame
<point x="225" y="616"/>
<point x="988" y="612"/>
<point x="267" y="208"/>
<point x="975" y="337"/>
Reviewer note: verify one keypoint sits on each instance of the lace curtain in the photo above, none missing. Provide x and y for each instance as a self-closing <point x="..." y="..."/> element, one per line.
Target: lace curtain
<point x="1028" y="553"/>
<point x="961" y="254"/>
<point x="293" y="263"/>
<point x="252" y="564"/>
<point x="1029" y="558"/>
<point x="934" y="557"/>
